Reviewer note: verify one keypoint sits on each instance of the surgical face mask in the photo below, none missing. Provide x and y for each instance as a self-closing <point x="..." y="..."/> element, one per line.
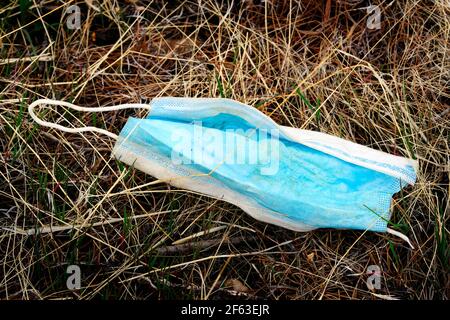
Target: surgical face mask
<point x="297" y="179"/>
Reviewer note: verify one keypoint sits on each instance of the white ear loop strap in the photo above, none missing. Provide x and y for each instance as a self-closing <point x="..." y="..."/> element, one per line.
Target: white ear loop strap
<point x="86" y="109"/>
<point x="400" y="235"/>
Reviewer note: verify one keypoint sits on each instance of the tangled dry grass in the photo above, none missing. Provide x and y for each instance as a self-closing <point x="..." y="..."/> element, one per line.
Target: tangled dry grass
<point x="308" y="64"/>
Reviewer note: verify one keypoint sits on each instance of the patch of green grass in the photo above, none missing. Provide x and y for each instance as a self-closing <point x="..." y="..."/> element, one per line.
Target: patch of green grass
<point x="225" y="90"/>
<point x="220" y="87"/>
<point x="443" y="251"/>
<point x="24" y="6"/>
<point x="42" y="186"/>
<point x="174" y="206"/>
<point x="58" y="278"/>
<point x="30" y="44"/>
<point x="19" y="118"/>
<point x="60" y="211"/>
<point x="313" y="107"/>
<point x="62" y="177"/>
<point x="94" y="119"/>
<point x="395" y="256"/>
<point x="127" y="225"/>
<point x="402" y="225"/>
<point x="110" y="291"/>
<point x="127" y="170"/>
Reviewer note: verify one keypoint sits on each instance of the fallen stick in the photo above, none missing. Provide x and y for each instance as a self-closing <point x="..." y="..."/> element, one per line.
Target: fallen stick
<point x="187" y="247"/>
<point x="51" y="229"/>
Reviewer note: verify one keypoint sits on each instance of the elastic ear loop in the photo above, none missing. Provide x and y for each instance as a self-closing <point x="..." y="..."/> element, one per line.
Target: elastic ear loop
<point x="114" y="136"/>
<point x="400" y="235"/>
<point x="78" y="108"/>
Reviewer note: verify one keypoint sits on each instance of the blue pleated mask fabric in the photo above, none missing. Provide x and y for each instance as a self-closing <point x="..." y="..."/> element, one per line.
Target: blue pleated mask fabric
<point x="297" y="179"/>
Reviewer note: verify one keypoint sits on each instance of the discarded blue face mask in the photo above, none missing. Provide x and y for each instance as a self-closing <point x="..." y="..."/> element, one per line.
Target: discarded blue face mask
<point x="297" y="179"/>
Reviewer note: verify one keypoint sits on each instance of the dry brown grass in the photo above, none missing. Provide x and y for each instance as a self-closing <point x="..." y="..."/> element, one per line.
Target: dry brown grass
<point x="387" y="89"/>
